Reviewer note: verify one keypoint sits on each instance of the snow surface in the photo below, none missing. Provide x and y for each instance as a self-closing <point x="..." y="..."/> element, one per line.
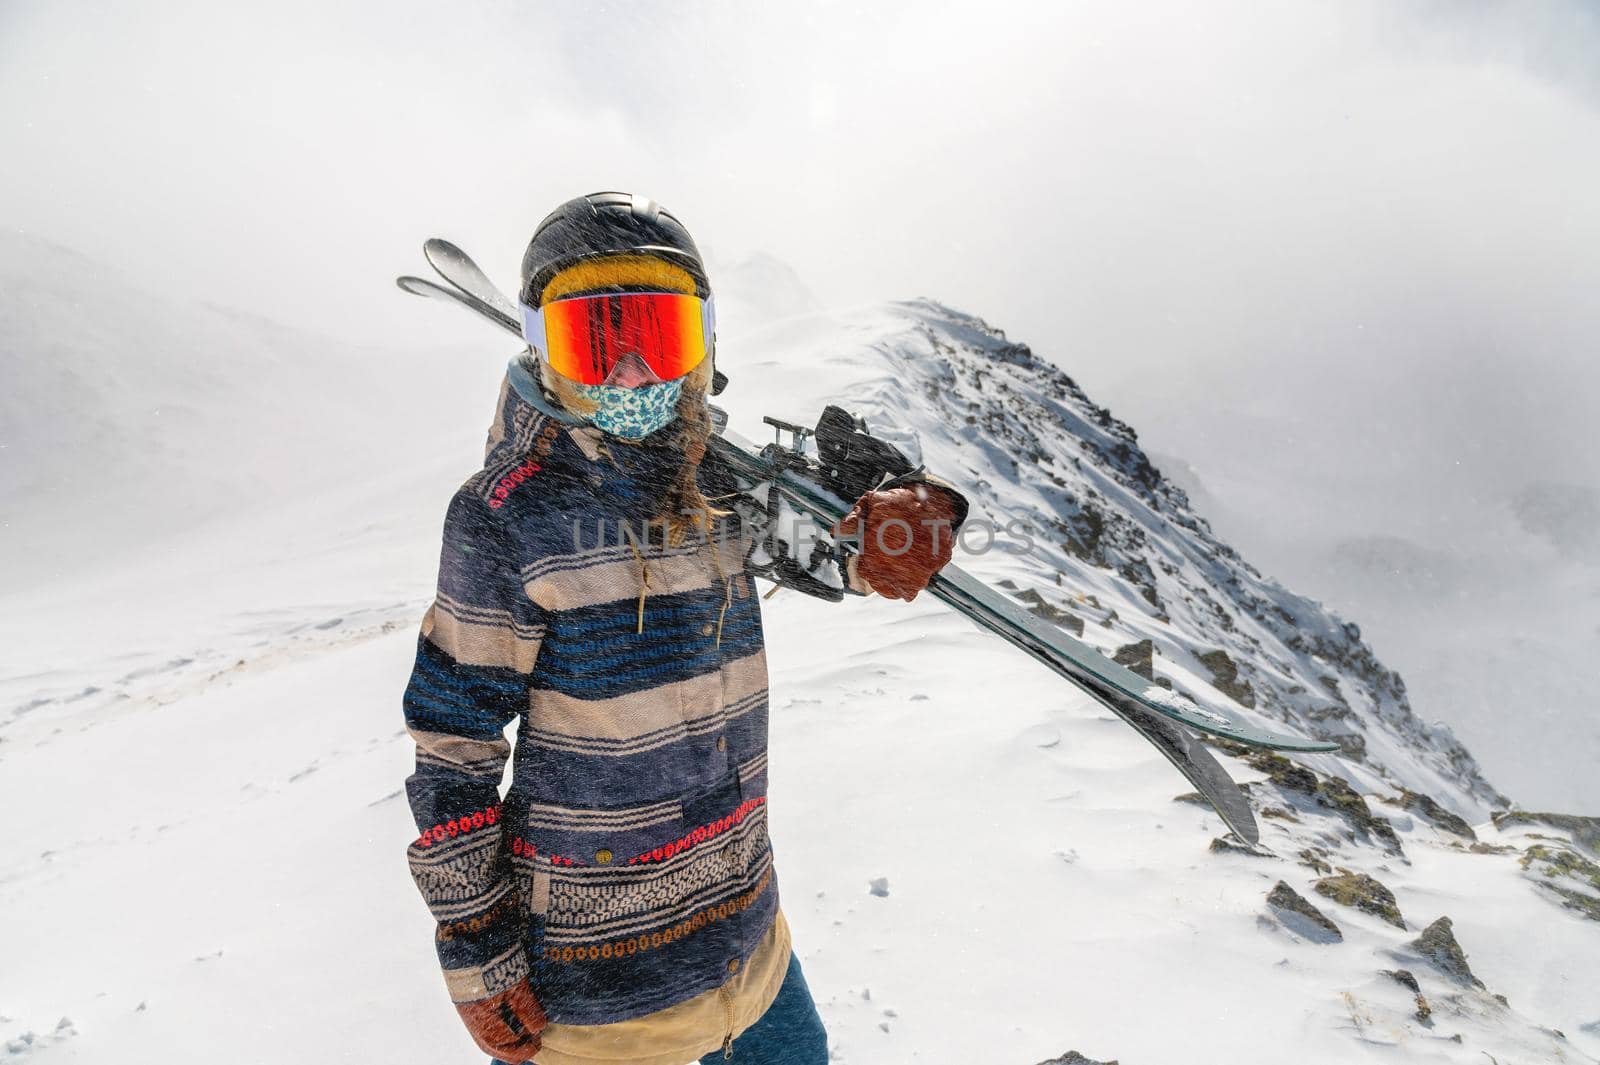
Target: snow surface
<point x="202" y="752"/>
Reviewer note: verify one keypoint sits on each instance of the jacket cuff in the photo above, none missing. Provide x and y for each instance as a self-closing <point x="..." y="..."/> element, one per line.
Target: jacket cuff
<point x="854" y="582"/>
<point x="483" y="955"/>
<point x="472" y="983"/>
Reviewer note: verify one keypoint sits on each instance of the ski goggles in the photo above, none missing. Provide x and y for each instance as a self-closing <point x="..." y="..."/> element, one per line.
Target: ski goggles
<point x="584" y="337"/>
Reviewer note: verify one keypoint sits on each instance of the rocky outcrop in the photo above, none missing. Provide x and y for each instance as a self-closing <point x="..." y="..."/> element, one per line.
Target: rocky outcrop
<point x="1225" y="678"/>
<point x="1330" y="793"/>
<point x="1362" y="892"/>
<point x="1584" y="830"/>
<point x="1553" y="864"/>
<point x="1437" y="944"/>
<point x="1139" y="657"/>
<point x="1436" y="814"/>
<point x="1300" y="916"/>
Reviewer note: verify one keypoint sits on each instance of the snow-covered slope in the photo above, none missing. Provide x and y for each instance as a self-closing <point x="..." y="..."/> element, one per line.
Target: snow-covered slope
<point x="129" y="417"/>
<point x="202" y="751"/>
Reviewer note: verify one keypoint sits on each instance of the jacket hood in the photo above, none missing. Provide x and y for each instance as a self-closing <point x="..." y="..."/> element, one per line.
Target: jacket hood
<point x="633" y="476"/>
<point x="518" y="425"/>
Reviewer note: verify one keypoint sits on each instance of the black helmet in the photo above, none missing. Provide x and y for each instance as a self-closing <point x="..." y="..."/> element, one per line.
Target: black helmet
<point x="607" y="223"/>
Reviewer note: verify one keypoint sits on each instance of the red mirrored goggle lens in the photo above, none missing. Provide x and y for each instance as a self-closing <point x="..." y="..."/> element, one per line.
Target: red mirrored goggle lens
<point x="584" y="337"/>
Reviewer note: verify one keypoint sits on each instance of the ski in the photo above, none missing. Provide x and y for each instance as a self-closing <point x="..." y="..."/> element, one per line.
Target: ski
<point x="420" y="287"/>
<point x="457" y="267"/>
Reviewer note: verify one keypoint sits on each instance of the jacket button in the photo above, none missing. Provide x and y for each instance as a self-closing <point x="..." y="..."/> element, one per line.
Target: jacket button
<point x="722" y="743"/>
<point x="603" y="856"/>
<point x="733" y="965"/>
<point x="707" y="629"/>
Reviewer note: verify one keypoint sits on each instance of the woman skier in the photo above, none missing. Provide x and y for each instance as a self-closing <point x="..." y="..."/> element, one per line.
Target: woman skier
<point x="619" y="904"/>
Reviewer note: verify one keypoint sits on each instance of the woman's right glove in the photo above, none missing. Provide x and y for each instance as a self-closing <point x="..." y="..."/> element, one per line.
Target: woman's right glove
<point x="506" y="1026"/>
<point x="904" y="534"/>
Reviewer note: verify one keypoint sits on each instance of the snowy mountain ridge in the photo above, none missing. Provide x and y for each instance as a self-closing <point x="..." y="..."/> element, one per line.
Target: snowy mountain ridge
<point x="1120" y="557"/>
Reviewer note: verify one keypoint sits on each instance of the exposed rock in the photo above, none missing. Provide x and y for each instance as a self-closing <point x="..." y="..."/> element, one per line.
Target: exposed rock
<point x="1585" y="830"/>
<point x="1039" y="606"/>
<point x="1333" y="793"/>
<point x="1560" y="862"/>
<point x="1492" y="848"/>
<point x="1336" y="793"/>
<point x="1587" y="905"/>
<point x="1404" y="978"/>
<point x="1230" y="845"/>
<point x="1072" y="1057"/>
<point x="1282" y="772"/>
<point x="1362" y="892"/>
<point x="1193" y="798"/>
<point x="1225" y="678"/>
<point x="1438" y="944"/>
<point x="1302" y="917"/>
<point x="1425" y="805"/>
<point x="1137" y="572"/>
<point x="1315" y="859"/>
<point x="1139" y="657"/>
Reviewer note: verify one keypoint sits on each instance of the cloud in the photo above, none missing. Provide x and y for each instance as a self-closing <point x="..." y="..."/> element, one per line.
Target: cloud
<point x="1373" y="212"/>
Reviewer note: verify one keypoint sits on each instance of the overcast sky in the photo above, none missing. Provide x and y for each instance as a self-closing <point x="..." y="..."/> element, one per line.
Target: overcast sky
<point x="1378" y="217"/>
<point x="1351" y="207"/>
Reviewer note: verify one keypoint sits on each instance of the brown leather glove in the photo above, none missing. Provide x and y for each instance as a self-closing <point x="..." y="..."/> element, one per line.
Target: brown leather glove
<point x="506" y="1026"/>
<point x="905" y="535"/>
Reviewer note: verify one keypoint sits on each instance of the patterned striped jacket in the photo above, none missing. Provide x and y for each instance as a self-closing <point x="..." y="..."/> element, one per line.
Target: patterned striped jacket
<point x="628" y="867"/>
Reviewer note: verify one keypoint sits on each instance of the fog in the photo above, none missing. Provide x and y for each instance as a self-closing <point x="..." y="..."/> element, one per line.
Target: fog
<point x="1340" y="258"/>
<point x="1311" y="193"/>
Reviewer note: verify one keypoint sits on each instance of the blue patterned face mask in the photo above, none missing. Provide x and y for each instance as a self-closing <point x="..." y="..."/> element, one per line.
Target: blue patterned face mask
<point x="633" y="413"/>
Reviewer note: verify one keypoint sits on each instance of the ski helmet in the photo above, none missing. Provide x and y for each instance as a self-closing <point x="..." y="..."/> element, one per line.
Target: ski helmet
<point x="607" y="223"/>
<point x="611" y="223"/>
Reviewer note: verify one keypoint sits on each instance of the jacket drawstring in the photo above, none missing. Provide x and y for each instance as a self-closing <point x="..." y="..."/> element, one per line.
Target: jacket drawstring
<point x="644" y="571"/>
<point x="644" y="574"/>
<point x="727" y="586"/>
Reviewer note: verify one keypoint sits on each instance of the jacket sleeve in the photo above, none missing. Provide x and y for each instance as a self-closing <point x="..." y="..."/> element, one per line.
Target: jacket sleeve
<point x="475" y="656"/>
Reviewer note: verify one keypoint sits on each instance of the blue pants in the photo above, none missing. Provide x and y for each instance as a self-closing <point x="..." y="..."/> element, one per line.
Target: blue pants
<point x="789" y="1033"/>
